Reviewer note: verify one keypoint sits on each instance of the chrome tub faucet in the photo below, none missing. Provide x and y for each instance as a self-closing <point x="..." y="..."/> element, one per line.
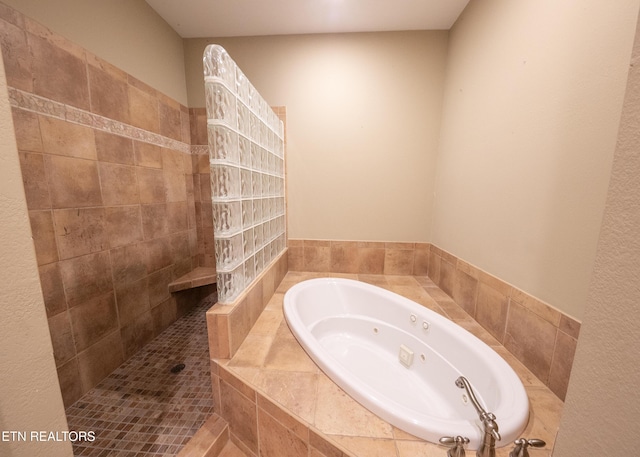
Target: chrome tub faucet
<point x="487" y="447"/>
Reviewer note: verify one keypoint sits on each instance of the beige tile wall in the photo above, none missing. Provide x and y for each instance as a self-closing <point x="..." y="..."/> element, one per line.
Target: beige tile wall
<point x="363" y="257"/>
<point x="540" y="336"/>
<point x="108" y="177"/>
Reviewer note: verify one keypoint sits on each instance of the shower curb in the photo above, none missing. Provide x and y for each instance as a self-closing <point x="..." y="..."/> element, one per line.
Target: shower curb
<point x="209" y="440"/>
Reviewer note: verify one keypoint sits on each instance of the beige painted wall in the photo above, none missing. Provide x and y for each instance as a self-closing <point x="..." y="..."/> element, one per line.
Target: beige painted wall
<point x="532" y="103"/>
<point x="363" y="115"/>
<point x="30" y="397"/>
<point x="602" y="411"/>
<point x="126" y="33"/>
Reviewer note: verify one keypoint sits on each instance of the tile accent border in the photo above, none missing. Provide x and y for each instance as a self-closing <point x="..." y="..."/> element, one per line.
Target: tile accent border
<point x="52" y="108"/>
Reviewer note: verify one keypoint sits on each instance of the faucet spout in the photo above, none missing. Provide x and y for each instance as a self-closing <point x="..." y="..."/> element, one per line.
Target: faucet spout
<point x="463" y="383"/>
<point x="490" y="426"/>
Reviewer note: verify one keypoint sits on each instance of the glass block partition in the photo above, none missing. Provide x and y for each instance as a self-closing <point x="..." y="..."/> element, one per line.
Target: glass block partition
<point x="246" y="152"/>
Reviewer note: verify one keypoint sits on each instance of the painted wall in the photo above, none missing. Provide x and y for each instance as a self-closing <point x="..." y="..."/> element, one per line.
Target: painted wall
<point x="30" y="397"/>
<point x="605" y="375"/>
<point x="532" y="103"/>
<point x="363" y="116"/>
<point x="126" y="33"/>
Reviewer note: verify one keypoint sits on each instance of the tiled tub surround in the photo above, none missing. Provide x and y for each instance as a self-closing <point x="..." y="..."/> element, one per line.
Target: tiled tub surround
<point x="277" y="401"/>
<point x="108" y="178"/>
<point x="246" y="149"/>
<point x="541" y="337"/>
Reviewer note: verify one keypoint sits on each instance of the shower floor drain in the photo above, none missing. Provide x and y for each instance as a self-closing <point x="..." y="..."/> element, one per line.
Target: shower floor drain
<point x="177" y="368"/>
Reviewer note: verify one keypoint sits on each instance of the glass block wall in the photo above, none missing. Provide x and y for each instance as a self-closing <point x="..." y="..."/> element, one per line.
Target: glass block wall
<point x="246" y="152"/>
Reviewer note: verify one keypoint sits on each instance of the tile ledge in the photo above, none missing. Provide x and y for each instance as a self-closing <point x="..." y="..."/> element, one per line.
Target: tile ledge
<point x="199" y="276"/>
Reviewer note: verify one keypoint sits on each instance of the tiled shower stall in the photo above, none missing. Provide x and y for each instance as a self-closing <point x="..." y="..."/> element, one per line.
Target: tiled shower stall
<point x="114" y="196"/>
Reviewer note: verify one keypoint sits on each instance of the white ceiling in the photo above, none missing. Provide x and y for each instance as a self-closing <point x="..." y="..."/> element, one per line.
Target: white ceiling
<point x="223" y="18"/>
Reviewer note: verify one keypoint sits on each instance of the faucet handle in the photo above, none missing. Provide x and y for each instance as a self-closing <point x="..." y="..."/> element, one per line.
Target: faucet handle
<point x="456" y="444"/>
<point x="520" y="450"/>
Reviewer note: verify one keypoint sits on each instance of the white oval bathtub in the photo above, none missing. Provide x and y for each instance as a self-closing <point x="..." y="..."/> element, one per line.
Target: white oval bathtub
<point x="358" y="334"/>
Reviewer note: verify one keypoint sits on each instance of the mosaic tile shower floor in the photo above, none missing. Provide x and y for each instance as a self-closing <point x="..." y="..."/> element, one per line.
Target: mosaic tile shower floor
<point x="143" y="408"/>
